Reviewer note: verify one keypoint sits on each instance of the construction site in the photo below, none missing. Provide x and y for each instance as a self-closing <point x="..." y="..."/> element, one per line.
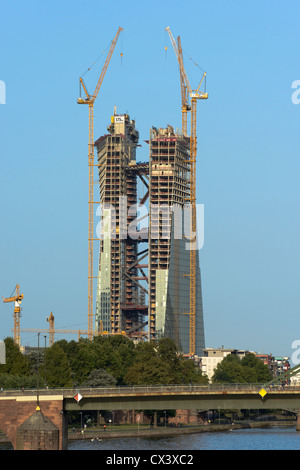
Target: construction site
<point x="147" y="284"/>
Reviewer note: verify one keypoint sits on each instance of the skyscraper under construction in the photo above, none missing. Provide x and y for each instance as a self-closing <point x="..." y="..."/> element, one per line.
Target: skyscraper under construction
<point x="120" y="302"/>
<point x="169" y="248"/>
<point x="143" y="281"/>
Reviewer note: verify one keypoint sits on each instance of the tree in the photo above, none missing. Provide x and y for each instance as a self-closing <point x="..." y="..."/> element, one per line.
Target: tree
<point x="10" y="381"/>
<point x="16" y="362"/>
<point x="229" y="370"/>
<point x="159" y="363"/>
<point x="69" y="364"/>
<point x="57" y="371"/>
<point x="153" y="372"/>
<point x="248" y="370"/>
<point x="116" y="354"/>
<point x="167" y="350"/>
<point x="263" y="373"/>
<point x="100" y="378"/>
<point x="189" y="373"/>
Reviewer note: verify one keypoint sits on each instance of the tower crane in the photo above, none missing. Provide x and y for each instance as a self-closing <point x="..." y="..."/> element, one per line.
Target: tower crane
<point x="51" y="331"/>
<point x="50" y="320"/>
<point x="17" y="298"/>
<point x="185" y="107"/>
<point x="194" y="95"/>
<point x="90" y="99"/>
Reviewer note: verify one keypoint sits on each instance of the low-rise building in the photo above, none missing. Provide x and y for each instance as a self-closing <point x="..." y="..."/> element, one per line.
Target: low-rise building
<point x="276" y="364"/>
<point x="213" y="356"/>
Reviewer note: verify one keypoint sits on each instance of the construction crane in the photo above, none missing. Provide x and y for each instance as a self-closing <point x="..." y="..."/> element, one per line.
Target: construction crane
<point x="90" y="99"/>
<point x="185" y="107"/>
<point x="194" y="95"/>
<point x="50" y="320"/>
<point x="17" y="298"/>
<point x="51" y="330"/>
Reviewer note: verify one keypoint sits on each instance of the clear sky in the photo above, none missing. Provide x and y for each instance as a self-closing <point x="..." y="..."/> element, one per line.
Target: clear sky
<point x="247" y="165"/>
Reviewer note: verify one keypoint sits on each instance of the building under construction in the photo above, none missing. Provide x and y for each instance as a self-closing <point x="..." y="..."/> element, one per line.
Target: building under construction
<point x="169" y="249"/>
<point x="120" y="301"/>
<point x="143" y="281"/>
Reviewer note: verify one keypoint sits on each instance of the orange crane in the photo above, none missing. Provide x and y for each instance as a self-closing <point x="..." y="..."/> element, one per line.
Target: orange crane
<point x="194" y="95"/>
<point x="51" y="331"/>
<point x="17" y="298"/>
<point x="90" y="99"/>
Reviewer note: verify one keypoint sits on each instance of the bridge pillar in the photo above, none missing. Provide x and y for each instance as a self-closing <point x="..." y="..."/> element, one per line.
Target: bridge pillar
<point x="37" y="433"/>
<point x="15" y="412"/>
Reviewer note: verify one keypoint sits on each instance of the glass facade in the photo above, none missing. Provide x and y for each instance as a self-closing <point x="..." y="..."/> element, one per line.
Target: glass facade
<point x="169" y="254"/>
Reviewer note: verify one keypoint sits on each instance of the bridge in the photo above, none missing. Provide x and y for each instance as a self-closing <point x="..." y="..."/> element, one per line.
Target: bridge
<point x="17" y="407"/>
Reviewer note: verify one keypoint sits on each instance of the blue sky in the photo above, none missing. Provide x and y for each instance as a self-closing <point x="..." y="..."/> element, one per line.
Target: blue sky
<point x="247" y="164"/>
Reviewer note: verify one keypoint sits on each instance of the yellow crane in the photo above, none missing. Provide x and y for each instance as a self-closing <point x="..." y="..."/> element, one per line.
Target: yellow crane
<point x="194" y="95"/>
<point x="185" y="107"/>
<point x="17" y="298"/>
<point x="51" y="331"/>
<point x="90" y="99"/>
<point x="50" y="320"/>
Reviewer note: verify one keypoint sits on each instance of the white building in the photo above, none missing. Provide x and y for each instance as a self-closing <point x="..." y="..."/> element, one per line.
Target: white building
<point x="211" y="358"/>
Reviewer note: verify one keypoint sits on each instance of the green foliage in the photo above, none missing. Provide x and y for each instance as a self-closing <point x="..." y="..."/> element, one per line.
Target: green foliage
<point x="250" y="369"/>
<point x="9" y="381"/>
<point x="16" y="362"/>
<point x="263" y="374"/>
<point x="160" y="364"/>
<point x="57" y="368"/>
<point x="115" y="354"/>
<point x="105" y="361"/>
<point x="100" y="378"/>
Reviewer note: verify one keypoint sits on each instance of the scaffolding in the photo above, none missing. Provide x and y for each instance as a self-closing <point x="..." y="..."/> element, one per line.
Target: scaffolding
<point x="120" y="304"/>
<point x="169" y="171"/>
<point x="145" y="279"/>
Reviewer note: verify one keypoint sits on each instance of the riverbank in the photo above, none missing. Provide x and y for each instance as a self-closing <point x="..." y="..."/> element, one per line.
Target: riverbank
<point x="90" y="434"/>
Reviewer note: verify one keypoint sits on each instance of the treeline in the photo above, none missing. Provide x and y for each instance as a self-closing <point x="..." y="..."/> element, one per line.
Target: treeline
<point x="249" y="369"/>
<point x="116" y="360"/>
<point x="104" y="361"/>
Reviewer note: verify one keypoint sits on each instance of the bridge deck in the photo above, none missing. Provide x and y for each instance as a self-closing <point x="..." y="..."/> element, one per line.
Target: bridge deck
<point x="125" y="390"/>
<point x="215" y="396"/>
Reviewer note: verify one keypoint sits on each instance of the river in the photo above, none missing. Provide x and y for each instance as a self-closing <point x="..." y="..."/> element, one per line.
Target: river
<point x="276" y="438"/>
<point x="273" y="438"/>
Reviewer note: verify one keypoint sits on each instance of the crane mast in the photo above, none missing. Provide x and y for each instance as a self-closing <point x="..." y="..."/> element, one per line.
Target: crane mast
<point x="185" y="107"/>
<point x="17" y="299"/>
<point x="90" y="99"/>
<point x="194" y="95"/>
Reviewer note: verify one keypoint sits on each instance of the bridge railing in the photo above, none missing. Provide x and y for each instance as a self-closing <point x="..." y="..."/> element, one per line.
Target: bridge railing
<point x="144" y="389"/>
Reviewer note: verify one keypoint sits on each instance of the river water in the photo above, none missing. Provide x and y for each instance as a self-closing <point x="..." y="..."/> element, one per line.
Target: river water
<point x="276" y="438"/>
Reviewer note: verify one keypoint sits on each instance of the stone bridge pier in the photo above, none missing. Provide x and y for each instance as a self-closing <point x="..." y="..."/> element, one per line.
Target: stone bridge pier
<point x="32" y="425"/>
